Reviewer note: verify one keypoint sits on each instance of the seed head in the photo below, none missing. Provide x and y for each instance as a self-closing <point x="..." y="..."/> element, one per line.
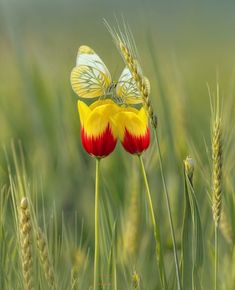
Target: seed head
<point x="217" y="171"/>
<point x="189" y="168"/>
<point x="135" y="280"/>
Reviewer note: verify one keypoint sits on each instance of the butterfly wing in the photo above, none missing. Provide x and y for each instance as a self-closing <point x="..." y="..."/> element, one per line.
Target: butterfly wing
<point x="127" y="88"/>
<point x="90" y="77"/>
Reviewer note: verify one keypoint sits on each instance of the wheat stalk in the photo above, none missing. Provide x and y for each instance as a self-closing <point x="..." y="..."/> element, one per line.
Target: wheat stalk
<point x="45" y="260"/>
<point x="124" y="45"/>
<point x="26" y="250"/>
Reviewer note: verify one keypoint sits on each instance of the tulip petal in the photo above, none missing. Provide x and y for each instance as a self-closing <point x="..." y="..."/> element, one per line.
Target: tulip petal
<point x="84" y="112"/>
<point x="100" y="118"/>
<point x="143" y="115"/>
<point x="102" y="102"/>
<point x="133" y="130"/>
<point x="101" y="145"/>
<point x="131" y="120"/>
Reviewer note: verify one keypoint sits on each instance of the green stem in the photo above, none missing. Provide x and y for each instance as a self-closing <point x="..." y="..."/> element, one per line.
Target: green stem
<point x="169" y="212"/>
<point x="114" y="277"/>
<point x="97" y="246"/>
<point x="156" y="230"/>
<point x="216" y="254"/>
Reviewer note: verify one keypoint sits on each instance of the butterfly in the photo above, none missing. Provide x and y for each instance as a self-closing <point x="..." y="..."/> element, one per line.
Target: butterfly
<point x="90" y="78"/>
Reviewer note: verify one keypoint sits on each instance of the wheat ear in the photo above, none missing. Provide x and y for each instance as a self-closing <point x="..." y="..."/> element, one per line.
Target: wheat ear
<point x="139" y="79"/>
<point x="45" y="260"/>
<point x="26" y="249"/>
<point x="216" y="185"/>
<point x="217" y="172"/>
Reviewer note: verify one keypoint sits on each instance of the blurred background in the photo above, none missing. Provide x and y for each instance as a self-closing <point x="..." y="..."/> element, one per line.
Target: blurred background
<point x="184" y="47"/>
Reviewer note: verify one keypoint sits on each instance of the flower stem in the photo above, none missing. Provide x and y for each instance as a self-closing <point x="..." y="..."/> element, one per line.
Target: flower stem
<point x="156" y="230"/>
<point x="169" y="212"/>
<point x="216" y="254"/>
<point x="97" y="246"/>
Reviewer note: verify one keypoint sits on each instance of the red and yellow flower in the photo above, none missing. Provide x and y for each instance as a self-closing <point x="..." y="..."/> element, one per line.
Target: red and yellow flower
<point x="98" y="132"/>
<point x="133" y="129"/>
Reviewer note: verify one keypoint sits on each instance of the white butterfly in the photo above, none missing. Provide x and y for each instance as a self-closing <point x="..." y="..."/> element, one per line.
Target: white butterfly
<point x="90" y="78"/>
